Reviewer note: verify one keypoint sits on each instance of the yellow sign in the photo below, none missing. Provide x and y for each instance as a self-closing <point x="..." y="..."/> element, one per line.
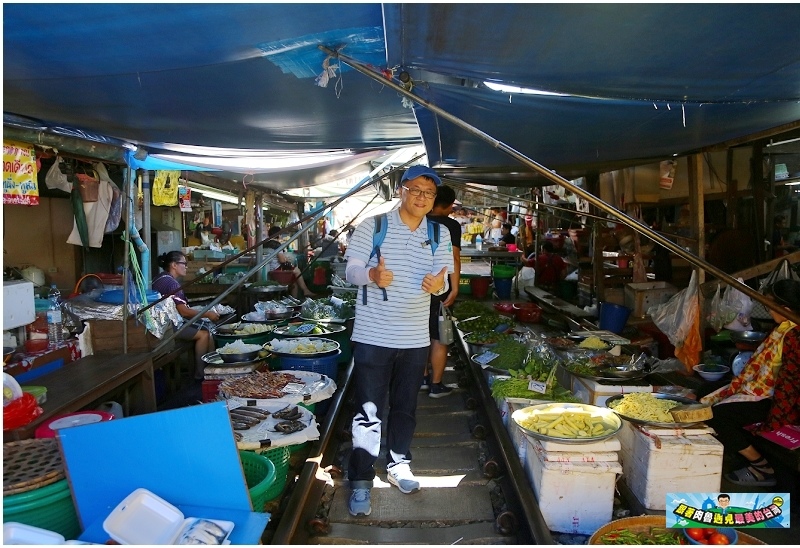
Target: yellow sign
<point x="19" y="174"/>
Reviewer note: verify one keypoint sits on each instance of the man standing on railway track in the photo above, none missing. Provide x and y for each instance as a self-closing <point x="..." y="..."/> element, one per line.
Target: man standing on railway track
<point x="392" y="341"/>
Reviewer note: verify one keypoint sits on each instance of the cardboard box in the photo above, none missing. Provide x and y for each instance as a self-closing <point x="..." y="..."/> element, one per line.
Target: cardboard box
<point x="639" y="297"/>
<point x="106" y="335"/>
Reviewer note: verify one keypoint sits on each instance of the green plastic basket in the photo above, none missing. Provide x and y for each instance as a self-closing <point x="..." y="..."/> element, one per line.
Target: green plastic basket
<point x="259" y="472"/>
<point x="280" y="458"/>
<point x="49" y="507"/>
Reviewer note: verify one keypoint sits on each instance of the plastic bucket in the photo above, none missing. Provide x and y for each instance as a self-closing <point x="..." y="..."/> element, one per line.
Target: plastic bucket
<point x="613" y="317"/>
<point x="502" y="286"/>
<point x="49" y="507"/>
<point x="325" y="365"/>
<point x="503" y="271"/>
<point x="480" y="286"/>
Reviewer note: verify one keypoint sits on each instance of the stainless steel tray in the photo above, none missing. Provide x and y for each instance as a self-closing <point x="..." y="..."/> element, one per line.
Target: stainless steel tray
<point x="659" y="396"/>
<point x="268" y="346"/>
<point x="608" y="416"/>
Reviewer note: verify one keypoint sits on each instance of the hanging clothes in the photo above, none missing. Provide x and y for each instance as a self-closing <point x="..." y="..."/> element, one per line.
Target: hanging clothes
<point x="96" y="214"/>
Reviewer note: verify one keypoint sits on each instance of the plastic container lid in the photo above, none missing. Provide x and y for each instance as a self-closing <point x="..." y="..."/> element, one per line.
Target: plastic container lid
<point x="49" y="428"/>
<point x="11" y="389"/>
<point x="21" y="533"/>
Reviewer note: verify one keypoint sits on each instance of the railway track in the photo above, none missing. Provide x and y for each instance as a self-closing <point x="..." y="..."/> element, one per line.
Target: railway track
<point x="474" y="490"/>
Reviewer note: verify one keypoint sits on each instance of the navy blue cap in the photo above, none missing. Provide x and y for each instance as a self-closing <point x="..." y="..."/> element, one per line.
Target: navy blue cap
<point x="419" y="171"/>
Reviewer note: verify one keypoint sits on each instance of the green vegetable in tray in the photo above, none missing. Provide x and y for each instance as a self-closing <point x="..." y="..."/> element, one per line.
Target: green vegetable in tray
<point x="518" y="388"/>
<point x="656" y="536"/>
<point x="487" y="322"/>
<point x="511" y="354"/>
<point x="467" y="309"/>
<point x="486" y="337"/>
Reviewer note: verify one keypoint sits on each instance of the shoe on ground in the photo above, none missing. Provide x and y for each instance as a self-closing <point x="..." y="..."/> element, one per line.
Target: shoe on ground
<point x="400" y="475"/>
<point x="359" y="504"/>
<point x="746" y="477"/>
<point x="439" y="390"/>
<point x="426" y="383"/>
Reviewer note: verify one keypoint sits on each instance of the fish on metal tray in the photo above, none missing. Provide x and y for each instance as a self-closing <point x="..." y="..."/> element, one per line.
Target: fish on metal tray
<point x="290" y="412"/>
<point x="289" y="426"/>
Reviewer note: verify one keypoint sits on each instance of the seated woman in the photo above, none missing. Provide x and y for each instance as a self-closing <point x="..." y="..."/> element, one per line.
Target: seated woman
<point x="277" y="262"/>
<point x="173" y="265"/>
<point x="766" y="391"/>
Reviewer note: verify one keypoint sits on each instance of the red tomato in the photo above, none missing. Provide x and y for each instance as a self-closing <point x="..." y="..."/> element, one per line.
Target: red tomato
<point x="709" y="532"/>
<point x="718" y="538"/>
<point x="696" y="533"/>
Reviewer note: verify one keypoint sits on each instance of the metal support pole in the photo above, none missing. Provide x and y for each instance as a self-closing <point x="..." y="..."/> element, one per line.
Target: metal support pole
<point x="146" y="224"/>
<point x="557" y="179"/>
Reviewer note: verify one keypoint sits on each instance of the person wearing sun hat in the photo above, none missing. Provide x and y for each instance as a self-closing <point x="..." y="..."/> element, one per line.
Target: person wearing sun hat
<point x="766" y="392"/>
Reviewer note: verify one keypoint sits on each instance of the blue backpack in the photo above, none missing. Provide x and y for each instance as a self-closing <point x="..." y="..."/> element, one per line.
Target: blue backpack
<point x="381" y="227"/>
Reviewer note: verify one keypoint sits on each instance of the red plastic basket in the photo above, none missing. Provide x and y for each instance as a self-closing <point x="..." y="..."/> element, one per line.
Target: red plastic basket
<point x="285" y="277"/>
<point x="210" y="389"/>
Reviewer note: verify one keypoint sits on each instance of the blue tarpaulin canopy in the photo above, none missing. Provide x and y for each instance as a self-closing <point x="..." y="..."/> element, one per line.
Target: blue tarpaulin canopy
<point x="636" y="82"/>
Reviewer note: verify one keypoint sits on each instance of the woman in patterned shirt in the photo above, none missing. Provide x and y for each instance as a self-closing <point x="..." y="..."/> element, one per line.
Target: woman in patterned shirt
<point x="765" y="392"/>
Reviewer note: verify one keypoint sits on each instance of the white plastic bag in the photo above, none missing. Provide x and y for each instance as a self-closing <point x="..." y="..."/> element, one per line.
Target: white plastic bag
<point x="56" y="179"/>
<point x="743" y="304"/>
<point x="526" y="276"/>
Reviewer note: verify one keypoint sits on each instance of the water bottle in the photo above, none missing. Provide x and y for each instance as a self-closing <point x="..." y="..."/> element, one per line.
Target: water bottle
<point x="54" y="324"/>
<point x="479" y="243"/>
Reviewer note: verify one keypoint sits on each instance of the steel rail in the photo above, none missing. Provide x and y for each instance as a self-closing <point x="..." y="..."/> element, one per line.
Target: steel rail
<point x="290" y="519"/>
<point x="557" y="179"/>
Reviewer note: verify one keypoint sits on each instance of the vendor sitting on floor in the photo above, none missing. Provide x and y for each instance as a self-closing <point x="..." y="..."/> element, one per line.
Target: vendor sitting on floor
<point x="766" y="391"/>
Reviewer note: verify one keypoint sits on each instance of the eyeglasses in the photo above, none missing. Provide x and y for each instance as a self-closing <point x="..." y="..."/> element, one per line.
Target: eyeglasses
<point x="181" y="262"/>
<point x="416" y="192"/>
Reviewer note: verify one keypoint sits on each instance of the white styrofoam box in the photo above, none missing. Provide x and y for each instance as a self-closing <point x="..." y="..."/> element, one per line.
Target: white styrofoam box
<point x="594" y="393"/>
<point x="574" y="497"/>
<point x="145" y="518"/>
<point x="656" y="464"/>
<point x="576" y="453"/>
<point x="608" y="444"/>
<point x="22" y="533"/>
<point x="518" y="437"/>
<point x="18" y="304"/>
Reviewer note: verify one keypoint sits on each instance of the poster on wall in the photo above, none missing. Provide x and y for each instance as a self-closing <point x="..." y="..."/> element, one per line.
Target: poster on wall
<point x="19" y="174"/>
<point x="185" y="199"/>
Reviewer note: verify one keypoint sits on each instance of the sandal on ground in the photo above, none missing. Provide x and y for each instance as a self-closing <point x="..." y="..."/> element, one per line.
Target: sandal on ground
<point x="745" y="476"/>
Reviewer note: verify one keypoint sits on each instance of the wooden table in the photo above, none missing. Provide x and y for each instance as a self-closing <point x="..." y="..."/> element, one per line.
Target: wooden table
<point x="81" y="383"/>
<point x="552" y="303"/>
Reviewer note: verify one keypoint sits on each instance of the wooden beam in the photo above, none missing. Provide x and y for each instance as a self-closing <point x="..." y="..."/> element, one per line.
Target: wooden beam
<point x="752" y="272"/>
<point x="696" y="208"/>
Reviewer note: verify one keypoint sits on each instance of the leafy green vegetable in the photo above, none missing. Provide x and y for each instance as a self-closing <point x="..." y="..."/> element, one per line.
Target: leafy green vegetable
<point x="467" y="309"/>
<point x="486" y="337"/>
<point x="487" y="322"/>
<point x="511" y="354"/>
<point x="518" y="388"/>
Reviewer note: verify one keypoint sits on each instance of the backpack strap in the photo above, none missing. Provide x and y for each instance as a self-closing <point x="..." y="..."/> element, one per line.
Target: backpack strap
<point x="433" y="235"/>
<point x="378" y="235"/>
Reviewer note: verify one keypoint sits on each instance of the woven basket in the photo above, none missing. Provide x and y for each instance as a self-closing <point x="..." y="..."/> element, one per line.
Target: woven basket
<point x="280" y="458"/>
<point x="31" y="464"/>
<point x="259" y="472"/>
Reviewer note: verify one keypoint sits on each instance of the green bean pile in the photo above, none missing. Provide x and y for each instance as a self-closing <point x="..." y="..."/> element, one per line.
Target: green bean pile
<point x="656" y="535"/>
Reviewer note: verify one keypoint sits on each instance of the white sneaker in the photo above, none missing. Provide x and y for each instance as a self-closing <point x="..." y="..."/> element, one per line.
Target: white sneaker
<point x="401" y="476"/>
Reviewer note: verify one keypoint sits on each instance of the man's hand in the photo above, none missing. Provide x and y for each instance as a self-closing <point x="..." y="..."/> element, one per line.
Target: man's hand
<point x="434" y="284"/>
<point x="380" y="275"/>
<point x="451" y="297"/>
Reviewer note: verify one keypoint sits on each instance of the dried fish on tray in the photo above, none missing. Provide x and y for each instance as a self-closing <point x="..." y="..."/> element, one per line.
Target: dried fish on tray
<point x="260" y="388"/>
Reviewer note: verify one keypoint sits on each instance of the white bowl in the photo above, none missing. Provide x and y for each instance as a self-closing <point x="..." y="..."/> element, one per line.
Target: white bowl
<point x="717" y="374"/>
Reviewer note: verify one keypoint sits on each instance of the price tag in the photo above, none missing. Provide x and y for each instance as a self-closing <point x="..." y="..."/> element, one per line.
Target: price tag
<point x="305" y="328"/>
<point x="537" y="386"/>
<point x="485" y="358"/>
<point x="293" y="388"/>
